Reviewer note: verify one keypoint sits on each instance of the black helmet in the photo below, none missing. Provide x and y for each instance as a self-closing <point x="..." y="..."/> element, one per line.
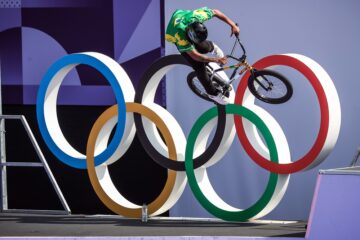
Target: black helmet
<point x="197" y="32"/>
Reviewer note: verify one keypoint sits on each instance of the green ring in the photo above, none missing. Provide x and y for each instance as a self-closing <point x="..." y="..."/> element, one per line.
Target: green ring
<point x="264" y="200"/>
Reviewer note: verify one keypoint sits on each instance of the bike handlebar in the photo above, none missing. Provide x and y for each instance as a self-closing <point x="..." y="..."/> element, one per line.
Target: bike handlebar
<point x="237" y="40"/>
<point x="242" y="46"/>
<point x="243" y="57"/>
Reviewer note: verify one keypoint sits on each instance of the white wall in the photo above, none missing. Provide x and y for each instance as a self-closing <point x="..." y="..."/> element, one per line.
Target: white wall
<point x="326" y="31"/>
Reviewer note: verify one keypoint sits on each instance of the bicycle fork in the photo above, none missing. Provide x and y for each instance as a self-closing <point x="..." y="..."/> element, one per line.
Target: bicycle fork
<point x="252" y="70"/>
<point x="270" y="84"/>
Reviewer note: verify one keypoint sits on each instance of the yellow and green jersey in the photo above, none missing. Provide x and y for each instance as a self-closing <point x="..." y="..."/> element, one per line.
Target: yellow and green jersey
<point x="180" y="20"/>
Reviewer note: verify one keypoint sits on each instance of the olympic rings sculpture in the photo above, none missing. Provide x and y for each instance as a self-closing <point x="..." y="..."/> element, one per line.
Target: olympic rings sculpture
<point x="185" y="159"/>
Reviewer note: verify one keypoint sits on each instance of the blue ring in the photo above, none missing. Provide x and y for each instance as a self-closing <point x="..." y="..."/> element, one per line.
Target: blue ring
<point x="76" y="59"/>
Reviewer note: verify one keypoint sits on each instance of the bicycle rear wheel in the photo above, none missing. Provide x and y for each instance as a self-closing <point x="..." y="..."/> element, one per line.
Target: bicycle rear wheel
<point x="196" y="86"/>
<point x="270" y="86"/>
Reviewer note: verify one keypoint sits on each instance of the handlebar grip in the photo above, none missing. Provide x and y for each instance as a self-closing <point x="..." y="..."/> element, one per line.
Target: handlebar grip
<point x="237" y="35"/>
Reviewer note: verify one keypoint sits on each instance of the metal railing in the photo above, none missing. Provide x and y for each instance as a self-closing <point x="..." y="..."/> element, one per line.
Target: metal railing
<point x="355" y="158"/>
<point x="4" y="164"/>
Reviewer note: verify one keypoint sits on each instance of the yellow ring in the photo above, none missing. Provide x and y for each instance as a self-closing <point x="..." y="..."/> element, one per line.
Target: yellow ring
<point x="170" y="182"/>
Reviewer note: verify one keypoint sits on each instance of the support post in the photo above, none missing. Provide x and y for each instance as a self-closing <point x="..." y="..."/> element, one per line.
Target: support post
<point x="3" y="177"/>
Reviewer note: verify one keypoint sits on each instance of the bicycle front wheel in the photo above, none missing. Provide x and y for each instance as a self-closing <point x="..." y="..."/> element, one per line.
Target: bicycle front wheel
<point x="270" y="86"/>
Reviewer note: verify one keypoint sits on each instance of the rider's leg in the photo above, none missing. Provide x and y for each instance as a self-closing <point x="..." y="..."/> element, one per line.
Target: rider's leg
<point x="201" y="73"/>
<point x="200" y="67"/>
<point x="210" y="47"/>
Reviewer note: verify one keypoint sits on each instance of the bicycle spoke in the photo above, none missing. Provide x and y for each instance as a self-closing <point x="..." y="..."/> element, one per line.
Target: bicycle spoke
<point x="200" y="88"/>
<point x="273" y="87"/>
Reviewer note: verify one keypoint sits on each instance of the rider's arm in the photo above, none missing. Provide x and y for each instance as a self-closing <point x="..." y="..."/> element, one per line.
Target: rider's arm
<point x="203" y="58"/>
<point x="234" y="28"/>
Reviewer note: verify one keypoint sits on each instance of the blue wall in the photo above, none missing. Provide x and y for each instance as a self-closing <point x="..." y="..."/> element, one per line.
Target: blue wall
<point x="326" y="31"/>
<point x="33" y="35"/>
<point x="29" y="45"/>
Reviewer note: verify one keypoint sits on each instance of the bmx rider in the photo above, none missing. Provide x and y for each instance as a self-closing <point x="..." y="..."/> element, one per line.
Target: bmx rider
<point x="187" y="31"/>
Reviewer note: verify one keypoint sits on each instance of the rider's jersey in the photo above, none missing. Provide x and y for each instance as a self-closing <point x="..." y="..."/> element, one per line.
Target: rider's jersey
<point x="180" y="20"/>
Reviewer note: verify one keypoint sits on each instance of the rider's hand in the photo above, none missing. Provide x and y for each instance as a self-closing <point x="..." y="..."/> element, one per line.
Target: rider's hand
<point x="222" y="60"/>
<point x="235" y="30"/>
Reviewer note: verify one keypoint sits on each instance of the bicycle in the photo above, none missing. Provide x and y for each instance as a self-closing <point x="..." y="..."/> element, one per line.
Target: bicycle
<point x="266" y="85"/>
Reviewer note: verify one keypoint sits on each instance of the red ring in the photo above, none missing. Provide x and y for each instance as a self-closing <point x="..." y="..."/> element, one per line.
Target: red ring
<point x="307" y="159"/>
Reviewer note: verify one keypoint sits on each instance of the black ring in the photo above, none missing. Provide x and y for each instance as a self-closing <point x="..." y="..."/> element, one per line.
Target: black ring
<point x="153" y="153"/>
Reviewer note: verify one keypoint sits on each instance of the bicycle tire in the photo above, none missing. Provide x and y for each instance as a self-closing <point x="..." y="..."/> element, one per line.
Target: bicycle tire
<point x="194" y="83"/>
<point x="285" y="87"/>
<point x="191" y="81"/>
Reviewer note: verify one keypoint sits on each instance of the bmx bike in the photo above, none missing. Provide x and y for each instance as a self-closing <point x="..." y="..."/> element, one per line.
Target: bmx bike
<point x="266" y="85"/>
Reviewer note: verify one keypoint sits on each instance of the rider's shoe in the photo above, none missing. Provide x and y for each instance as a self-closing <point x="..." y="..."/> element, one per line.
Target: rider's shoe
<point x="217" y="51"/>
<point x="220" y="99"/>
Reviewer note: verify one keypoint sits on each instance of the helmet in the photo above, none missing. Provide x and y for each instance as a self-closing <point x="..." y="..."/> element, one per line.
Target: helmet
<point x="197" y="32"/>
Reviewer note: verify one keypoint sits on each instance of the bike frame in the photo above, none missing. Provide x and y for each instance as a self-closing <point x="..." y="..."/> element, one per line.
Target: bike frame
<point x="241" y="63"/>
